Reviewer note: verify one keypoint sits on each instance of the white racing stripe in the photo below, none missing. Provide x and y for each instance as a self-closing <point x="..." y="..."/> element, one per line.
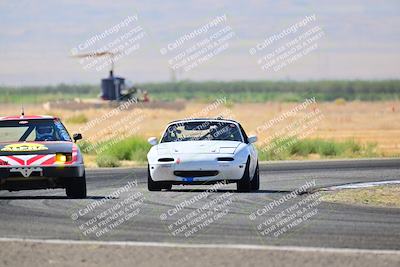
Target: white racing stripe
<point x="205" y="246"/>
<point x="24" y="157"/>
<point x="41" y="160"/>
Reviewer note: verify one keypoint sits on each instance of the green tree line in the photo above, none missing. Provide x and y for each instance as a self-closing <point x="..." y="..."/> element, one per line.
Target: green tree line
<point x="242" y="91"/>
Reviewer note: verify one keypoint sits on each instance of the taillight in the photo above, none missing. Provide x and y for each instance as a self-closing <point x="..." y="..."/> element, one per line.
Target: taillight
<point x="63" y="157"/>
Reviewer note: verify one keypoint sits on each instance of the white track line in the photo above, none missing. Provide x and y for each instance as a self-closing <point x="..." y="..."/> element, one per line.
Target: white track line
<point x="362" y="185"/>
<point x="205" y="246"/>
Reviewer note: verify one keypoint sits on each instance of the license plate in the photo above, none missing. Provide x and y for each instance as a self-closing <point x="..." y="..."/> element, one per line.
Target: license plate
<point x="188" y="179"/>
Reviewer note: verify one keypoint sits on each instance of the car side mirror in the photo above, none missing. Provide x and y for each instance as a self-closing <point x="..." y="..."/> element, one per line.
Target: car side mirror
<point x="152" y="141"/>
<point x="77" y="136"/>
<point x="252" y="139"/>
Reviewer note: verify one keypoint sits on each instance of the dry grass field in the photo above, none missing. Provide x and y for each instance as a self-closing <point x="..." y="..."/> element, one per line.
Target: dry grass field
<point x="381" y="196"/>
<point x="377" y="122"/>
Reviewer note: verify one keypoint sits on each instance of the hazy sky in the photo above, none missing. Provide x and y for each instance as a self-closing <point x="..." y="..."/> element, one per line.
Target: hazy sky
<point x="361" y="39"/>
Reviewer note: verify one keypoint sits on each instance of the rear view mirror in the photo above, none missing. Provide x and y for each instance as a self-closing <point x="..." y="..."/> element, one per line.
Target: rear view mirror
<point x="77" y="136"/>
<point x="152" y="141"/>
<point x="252" y="139"/>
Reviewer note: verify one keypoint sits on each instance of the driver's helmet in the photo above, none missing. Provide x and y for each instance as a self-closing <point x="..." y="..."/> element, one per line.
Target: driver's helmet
<point x="44" y="133"/>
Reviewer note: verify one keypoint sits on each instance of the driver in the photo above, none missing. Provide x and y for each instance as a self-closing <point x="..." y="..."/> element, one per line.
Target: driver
<point x="44" y="133"/>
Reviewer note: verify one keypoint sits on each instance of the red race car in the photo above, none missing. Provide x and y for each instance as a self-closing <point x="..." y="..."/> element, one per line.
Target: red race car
<point x="36" y="152"/>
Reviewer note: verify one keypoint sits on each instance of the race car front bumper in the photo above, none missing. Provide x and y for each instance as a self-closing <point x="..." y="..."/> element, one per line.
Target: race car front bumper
<point x="38" y="177"/>
<point x="199" y="170"/>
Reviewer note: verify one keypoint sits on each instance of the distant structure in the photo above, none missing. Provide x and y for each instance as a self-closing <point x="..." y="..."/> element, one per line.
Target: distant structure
<point x="113" y="88"/>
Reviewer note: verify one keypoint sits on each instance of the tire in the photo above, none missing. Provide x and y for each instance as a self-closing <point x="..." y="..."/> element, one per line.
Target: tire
<point x="156" y="186"/>
<point x="76" y="188"/>
<point x="255" y="182"/>
<point x="244" y="184"/>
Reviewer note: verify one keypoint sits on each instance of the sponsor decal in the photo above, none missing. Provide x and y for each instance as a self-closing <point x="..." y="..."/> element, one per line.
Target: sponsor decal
<point x="28" y="160"/>
<point x="24" y="147"/>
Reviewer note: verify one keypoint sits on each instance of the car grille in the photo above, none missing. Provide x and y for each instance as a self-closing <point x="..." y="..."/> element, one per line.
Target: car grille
<point x="195" y="173"/>
<point x="225" y="159"/>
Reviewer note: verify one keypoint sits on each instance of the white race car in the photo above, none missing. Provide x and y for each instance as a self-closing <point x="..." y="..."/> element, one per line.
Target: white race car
<point x="203" y="151"/>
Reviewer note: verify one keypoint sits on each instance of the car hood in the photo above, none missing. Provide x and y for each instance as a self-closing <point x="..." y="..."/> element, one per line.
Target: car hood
<point x="198" y="147"/>
<point x="26" y="148"/>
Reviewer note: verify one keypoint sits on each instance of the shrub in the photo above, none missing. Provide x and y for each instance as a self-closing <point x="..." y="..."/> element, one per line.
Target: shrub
<point x="107" y="161"/>
<point x="131" y="148"/>
<point x="340" y="101"/>
<point x="84" y="146"/>
<point x="293" y="148"/>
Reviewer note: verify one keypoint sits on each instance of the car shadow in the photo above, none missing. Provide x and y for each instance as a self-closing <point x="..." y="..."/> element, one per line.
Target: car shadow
<point x="46" y="197"/>
<point x="232" y="191"/>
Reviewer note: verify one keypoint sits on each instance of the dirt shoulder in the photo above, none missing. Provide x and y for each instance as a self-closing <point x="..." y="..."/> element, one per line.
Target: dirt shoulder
<point x="380" y="196"/>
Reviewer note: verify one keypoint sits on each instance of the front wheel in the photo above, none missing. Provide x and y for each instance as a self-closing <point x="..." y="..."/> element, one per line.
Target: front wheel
<point x="255" y="182"/>
<point x="244" y="184"/>
<point x="76" y="187"/>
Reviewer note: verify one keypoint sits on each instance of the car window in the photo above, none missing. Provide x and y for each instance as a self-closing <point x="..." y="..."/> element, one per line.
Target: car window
<point x="11" y="134"/>
<point x="202" y="130"/>
<point x="31" y="136"/>
<point x="245" y="137"/>
<point x="33" y="130"/>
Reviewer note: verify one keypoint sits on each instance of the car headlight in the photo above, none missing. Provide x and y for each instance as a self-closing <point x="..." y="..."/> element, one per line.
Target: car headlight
<point x="63" y="157"/>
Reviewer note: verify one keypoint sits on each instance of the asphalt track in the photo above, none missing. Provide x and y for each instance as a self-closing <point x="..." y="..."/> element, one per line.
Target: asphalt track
<point x="46" y="214"/>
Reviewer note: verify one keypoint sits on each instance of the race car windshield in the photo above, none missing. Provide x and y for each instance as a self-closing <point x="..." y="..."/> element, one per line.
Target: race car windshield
<point x="33" y="130"/>
<point x="202" y="130"/>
